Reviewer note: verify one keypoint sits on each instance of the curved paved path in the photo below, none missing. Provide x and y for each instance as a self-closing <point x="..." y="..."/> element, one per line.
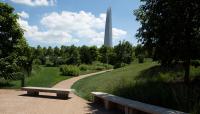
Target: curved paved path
<point x="15" y="102"/>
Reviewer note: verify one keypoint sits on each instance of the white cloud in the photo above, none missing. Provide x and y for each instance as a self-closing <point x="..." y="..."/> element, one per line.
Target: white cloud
<point x="23" y="14"/>
<point x="118" y="32"/>
<point x="70" y="27"/>
<point x="36" y="2"/>
<point x="47" y="37"/>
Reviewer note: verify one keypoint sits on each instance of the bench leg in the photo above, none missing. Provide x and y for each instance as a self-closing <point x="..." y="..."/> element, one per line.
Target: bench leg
<point x="96" y="99"/>
<point x="62" y="95"/>
<point x="107" y="104"/>
<point x="126" y="110"/>
<point x="33" y="93"/>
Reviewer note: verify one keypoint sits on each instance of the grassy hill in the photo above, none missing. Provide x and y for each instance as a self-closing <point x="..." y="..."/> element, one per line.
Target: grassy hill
<point x="147" y="82"/>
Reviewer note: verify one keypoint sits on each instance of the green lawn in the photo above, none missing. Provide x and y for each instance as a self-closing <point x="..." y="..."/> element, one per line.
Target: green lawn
<point x="147" y="82"/>
<point x="42" y="77"/>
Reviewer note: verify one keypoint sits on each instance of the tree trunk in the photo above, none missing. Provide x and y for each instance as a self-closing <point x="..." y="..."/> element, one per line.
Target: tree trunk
<point x="23" y="81"/>
<point x="187" y="71"/>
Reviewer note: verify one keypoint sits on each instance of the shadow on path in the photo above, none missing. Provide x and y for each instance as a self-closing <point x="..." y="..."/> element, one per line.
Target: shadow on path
<point x="99" y="109"/>
<point x="45" y="96"/>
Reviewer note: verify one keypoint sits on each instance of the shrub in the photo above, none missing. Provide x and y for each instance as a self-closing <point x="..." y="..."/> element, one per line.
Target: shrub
<point x="141" y="58"/>
<point x="84" y="67"/>
<point x="37" y="62"/>
<point x="101" y="66"/>
<point x="196" y="109"/>
<point x="70" y="70"/>
<point x="195" y="63"/>
<point x="119" y="65"/>
<point x="108" y="66"/>
<point x="97" y="63"/>
<point x="49" y="63"/>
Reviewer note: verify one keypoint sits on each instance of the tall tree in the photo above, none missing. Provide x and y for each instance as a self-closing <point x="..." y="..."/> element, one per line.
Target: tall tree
<point x="49" y="51"/>
<point x="56" y="51"/>
<point x="39" y="51"/>
<point x="106" y="54"/>
<point x="94" y="53"/>
<point x="85" y="55"/>
<point x="25" y="56"/>
<point x="172" y="28"/>
<point x="11" y="38"/>
<point x="124" y="52"/>
<point x="74" y="56"/>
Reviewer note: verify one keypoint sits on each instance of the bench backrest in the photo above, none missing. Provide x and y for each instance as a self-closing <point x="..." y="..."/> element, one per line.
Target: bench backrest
<point x="135" y="104"/>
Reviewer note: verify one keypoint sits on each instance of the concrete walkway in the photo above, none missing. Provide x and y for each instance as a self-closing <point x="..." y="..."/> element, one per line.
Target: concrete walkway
<point x="16" y="102"/>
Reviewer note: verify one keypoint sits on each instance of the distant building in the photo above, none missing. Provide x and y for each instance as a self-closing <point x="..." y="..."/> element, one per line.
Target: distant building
<point x="108" y="29"/>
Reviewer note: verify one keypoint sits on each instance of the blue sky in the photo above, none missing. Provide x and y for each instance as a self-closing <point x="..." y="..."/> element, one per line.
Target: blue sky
<point x="79" y="22"/>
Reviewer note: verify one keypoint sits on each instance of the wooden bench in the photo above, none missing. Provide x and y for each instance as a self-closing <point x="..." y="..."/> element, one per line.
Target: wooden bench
<point x="61" y="93"/>
<point x="130" y="106"/>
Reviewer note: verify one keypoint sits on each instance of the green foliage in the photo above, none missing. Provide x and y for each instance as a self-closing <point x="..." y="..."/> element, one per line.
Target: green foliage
<point x="101" y="66"/>
<point x="42" y="59"/>
<point x="108" y="66"/>
<point x="196" y="109"/>
<point x="15" y="55"/>
<point x="171" y="28"/>
<point x="37" y="62"/>
<point x="119" y="65"/>
<point x="106" y="54"/>
<point x="123" y="52"/>
<point x="95" y="66"/>
<point x="84" y="67"/>
<point x="94" y="53"/>
<point x="88" y="54"/>
<point x="69" y="70"/>
<point x="139" y="49"/>
<point x="38" y="51"/>
<point x="85" y="55"/>
<point x="141" y="58"/>
<point x="56" y="51"/>
<point x="49" y="63"/>
<point x="74" y="56"/>
<point x="195" y="63"/>
<point x="10" y="31"/>
<point x="50" y="51"/>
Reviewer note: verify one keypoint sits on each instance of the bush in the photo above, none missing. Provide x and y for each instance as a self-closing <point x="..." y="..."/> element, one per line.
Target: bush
<point x="84" y="67"/>
<point x="49" y="63"/>
<point x="108" y="66"/>
<point x="37" y="62"/>
<point x="195" y="63"/>
<point x="119" y="65"/>
<point x="141" y="58"/>
<point x="70" y="70"/>
<point x="196" y="109"/>
<point x="97" y="63"/>
<point x="100" y="66"/>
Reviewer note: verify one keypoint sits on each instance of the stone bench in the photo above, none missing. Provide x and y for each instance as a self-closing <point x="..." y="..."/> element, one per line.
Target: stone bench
<point x="130" y="106"/>
<point x="34" y="91"/>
